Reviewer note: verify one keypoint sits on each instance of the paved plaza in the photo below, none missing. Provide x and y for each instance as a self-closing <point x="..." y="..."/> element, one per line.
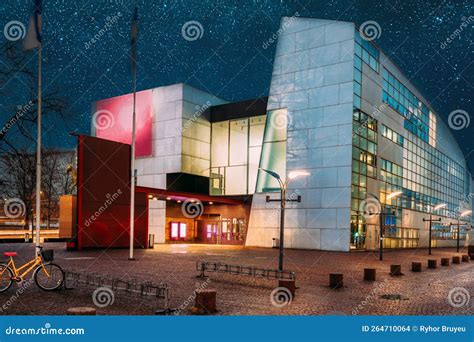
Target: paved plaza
<point x="441" y="291"/>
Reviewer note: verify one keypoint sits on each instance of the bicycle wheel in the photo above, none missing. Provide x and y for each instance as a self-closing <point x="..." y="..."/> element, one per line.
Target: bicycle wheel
<point x="6" y="275"/>
<point x="50" y="280"/>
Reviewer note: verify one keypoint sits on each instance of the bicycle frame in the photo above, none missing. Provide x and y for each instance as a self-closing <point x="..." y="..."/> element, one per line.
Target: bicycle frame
<point x="29" y="266"/>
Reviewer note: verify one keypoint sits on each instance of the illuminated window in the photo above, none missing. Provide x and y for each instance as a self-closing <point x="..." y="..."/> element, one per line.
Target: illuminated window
<point x="178" y="230"/>
<point x="174" y="230"/>
<point x="273" y="155"/>
<point x="235" y="154"/>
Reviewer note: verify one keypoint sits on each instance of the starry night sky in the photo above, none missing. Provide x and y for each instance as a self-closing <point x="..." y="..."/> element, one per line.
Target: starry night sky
<point x="229" y="60"/>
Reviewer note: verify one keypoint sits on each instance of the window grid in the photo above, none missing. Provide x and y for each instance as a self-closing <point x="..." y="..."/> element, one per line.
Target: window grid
<point x="416" y="113"/>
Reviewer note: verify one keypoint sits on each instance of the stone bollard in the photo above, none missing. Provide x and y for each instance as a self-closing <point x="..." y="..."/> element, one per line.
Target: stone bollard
<point x="369" y="274"/>
<point x="288" y="284"/>
<point x="82" y="311"/>
<point x="456" y="259"/>
<point x="396" y="270"/>
<point x="465" y="258"/>
<point x="416" y="266"/>
<point x="444" y="261"/>
<point x="205" y="302"/>
<point x="432" y="263"/>
<point x="336" y="280"/>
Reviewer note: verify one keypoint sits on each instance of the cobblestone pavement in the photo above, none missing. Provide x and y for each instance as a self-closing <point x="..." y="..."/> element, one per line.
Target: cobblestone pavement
<point x="425" y="293"/>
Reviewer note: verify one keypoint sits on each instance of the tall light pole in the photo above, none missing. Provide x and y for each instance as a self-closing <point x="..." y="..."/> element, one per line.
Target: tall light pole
<point x="283" y="200"/>
<point x="465" y="213"/>
<point x="381" y="216"/>
<point x="430" y="220"/>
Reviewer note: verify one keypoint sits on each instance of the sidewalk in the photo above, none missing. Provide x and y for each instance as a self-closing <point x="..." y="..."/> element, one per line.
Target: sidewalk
<point x="424" y="293"/>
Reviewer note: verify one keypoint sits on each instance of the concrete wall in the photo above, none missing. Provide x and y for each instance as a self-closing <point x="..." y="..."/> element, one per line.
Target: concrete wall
<point x="181" y="143"/>
<point x="313" y="78"/>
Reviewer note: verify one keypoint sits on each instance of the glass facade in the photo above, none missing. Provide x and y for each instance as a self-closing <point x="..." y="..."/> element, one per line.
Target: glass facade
<point x="416" y="113"/>
<point x="426" y="177"/>
<point x="235" y="153"/>
<point x="364" y="150"/>
<point x="273" y="155"/>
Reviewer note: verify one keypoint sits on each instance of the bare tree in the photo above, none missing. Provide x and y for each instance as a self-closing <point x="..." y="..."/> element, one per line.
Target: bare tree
<point x="17" y="179"/>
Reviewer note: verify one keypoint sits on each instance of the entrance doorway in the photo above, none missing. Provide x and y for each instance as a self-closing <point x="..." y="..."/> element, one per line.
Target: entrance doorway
<point x="227" y="231"/>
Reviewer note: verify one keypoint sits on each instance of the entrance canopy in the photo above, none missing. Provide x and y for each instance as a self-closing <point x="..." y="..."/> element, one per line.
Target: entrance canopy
<point x="166" y="195"/>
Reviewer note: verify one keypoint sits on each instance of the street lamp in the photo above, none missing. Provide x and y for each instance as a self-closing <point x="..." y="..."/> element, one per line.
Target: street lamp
<point x="465" y="213"/>
<point x="381" y="214"/>
<point x="283" y="188"/>
<point x="430" y="220"/>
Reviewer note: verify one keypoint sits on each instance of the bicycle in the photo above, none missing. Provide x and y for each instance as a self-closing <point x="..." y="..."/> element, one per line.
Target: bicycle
<point x="47" y="275"/>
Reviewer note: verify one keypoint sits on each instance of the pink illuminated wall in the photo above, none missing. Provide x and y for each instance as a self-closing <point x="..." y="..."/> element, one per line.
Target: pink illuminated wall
<point x="113" y="120"/>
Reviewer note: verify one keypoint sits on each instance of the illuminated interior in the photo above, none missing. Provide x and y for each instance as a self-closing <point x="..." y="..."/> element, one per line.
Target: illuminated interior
<point x="235" y="153"/>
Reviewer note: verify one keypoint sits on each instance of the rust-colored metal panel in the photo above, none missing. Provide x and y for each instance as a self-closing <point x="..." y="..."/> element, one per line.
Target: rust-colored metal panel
<point x="103" y="198"/>
<point x="67" y="216"/>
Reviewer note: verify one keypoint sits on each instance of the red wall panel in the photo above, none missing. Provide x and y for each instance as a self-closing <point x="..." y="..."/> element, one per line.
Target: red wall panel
<point x="113" y="120"/>
<point x="104" y="196"/>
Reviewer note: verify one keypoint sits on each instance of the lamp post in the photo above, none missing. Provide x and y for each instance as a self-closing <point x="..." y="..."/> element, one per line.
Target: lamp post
<point x="430" y="220"/>
<point x="465" y="213"/>
<point x="283" y="188"/>
<point x="381" y="215"/>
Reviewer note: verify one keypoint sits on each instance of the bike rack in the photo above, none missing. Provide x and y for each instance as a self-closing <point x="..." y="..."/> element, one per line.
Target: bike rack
<point x="250" y="271"/>
<point x="127" y="286"/>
